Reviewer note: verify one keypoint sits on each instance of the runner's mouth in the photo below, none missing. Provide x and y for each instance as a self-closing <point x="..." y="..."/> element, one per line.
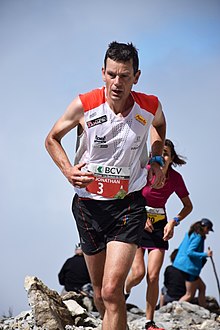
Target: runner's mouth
<point x="117" y="92"/>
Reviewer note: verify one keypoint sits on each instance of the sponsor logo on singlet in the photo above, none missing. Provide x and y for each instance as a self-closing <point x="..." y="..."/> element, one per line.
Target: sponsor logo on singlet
<point x="100" y="142"/>
<point x="92" y="114"/>
<point x="141" y="119"/>
<point x="136" y="143"/>
<point x="96" y="121"/>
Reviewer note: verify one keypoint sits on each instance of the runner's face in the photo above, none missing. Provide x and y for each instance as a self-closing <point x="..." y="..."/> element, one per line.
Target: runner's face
<point x="206" y="230"/>
<point x="167" y="155"/>
<point x="119" y="78"/>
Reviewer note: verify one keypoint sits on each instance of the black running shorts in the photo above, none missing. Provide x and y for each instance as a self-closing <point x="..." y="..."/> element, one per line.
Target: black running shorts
<point x="100" y="222"/>
<point x="155" y="240"/>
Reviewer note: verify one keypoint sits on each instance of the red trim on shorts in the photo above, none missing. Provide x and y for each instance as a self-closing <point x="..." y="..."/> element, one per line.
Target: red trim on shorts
<point x="86" y="225"/>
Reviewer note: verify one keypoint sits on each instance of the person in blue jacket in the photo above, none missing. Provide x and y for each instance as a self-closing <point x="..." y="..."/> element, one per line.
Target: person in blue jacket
<point x="191" y="258"/>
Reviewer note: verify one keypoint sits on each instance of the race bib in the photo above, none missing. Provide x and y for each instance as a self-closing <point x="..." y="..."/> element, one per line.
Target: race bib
<point x="110" y="181"/>
<point x="155" y="217"/>
<point x="155" y="214"/>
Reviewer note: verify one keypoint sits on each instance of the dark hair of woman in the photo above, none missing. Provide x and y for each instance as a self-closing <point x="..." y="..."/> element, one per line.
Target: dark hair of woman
<point x="173" y="255"/>
<point x="176" y="159"/>
<point x="197" y="228"/>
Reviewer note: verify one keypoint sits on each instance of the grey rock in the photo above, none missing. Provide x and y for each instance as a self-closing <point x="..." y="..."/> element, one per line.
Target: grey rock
<point x="50" y="311"/>
<point x="186" y="316"/>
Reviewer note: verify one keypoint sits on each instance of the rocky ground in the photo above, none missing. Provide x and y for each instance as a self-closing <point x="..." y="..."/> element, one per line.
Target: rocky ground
<point x="50" y="311"/>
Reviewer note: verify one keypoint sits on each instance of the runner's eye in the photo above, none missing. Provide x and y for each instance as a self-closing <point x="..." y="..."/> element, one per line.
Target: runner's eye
<point x="111" y="75"/>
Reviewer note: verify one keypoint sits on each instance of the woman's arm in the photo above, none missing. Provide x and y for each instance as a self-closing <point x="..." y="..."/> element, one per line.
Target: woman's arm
<point x="186" y="209"/>
<point x="196" y="241"/>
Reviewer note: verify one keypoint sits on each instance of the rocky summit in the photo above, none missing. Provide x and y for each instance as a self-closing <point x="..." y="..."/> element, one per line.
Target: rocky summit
<point x="50" y="311"/>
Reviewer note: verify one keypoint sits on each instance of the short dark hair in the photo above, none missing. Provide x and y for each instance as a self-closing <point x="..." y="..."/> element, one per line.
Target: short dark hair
<point x="121" y="52"/>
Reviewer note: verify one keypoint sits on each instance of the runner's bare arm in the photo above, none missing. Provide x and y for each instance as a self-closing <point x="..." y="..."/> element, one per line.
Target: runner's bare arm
<point x="158" y="132"/>
<point x="186" y="209"/>
<point x="73" y="116"/>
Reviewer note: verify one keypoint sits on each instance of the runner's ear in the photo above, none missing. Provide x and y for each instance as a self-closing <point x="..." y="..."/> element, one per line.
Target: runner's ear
<point x="137" y="76"/>
<point x="103" y="75"/>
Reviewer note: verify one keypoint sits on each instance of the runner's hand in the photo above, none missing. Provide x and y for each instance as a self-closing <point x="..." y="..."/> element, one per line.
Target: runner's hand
<point x="78" y="178"/>
<point x="156" y="176"/>
<point x="149" y="226"/>
<point x="168" y="231"/>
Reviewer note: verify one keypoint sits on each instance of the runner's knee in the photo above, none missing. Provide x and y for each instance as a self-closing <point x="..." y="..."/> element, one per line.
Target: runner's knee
<point x="138" y="274"/>
<point x="152" y="277"/>
<point x="111" y="293"/>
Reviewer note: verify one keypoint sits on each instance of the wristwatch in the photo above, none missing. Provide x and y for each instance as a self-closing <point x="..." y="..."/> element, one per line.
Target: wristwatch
<point x="157" y="159"/>
<point x="177" y="221"/>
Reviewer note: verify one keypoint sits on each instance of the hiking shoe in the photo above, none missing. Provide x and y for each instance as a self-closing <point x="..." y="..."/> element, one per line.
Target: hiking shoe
<point x="152" y="326"/>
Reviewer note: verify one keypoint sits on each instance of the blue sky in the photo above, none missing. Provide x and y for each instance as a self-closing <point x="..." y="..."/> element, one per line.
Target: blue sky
<point x="51" y="51"/>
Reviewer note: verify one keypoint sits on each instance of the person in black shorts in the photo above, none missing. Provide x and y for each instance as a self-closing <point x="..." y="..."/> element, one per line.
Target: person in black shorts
<point x="174" y="283"/>
<point x="159" y="229"/>
<point x="113" y="124"/>
<point x="191" y="258"/>
<point x="74" y="275"/>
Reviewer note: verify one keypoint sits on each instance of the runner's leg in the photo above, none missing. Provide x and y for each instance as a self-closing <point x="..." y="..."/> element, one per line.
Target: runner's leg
<point x="137" y="272"/>
<point x="96" y="264"/>
<point x="201" y="296"/>
<point x="191" y="288"/>
<point x="155" y="261"/>
<point x="119" y="257"/>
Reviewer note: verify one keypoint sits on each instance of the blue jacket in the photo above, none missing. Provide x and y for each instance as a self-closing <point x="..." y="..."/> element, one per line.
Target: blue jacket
<point x="190" y="257"/>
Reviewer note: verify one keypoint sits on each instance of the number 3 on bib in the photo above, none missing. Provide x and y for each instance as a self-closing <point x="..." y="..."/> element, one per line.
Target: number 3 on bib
<point x="109" y="188"/>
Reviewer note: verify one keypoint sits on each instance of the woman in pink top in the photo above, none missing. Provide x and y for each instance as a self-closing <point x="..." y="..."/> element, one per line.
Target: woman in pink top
<point x="158" y="230"/>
